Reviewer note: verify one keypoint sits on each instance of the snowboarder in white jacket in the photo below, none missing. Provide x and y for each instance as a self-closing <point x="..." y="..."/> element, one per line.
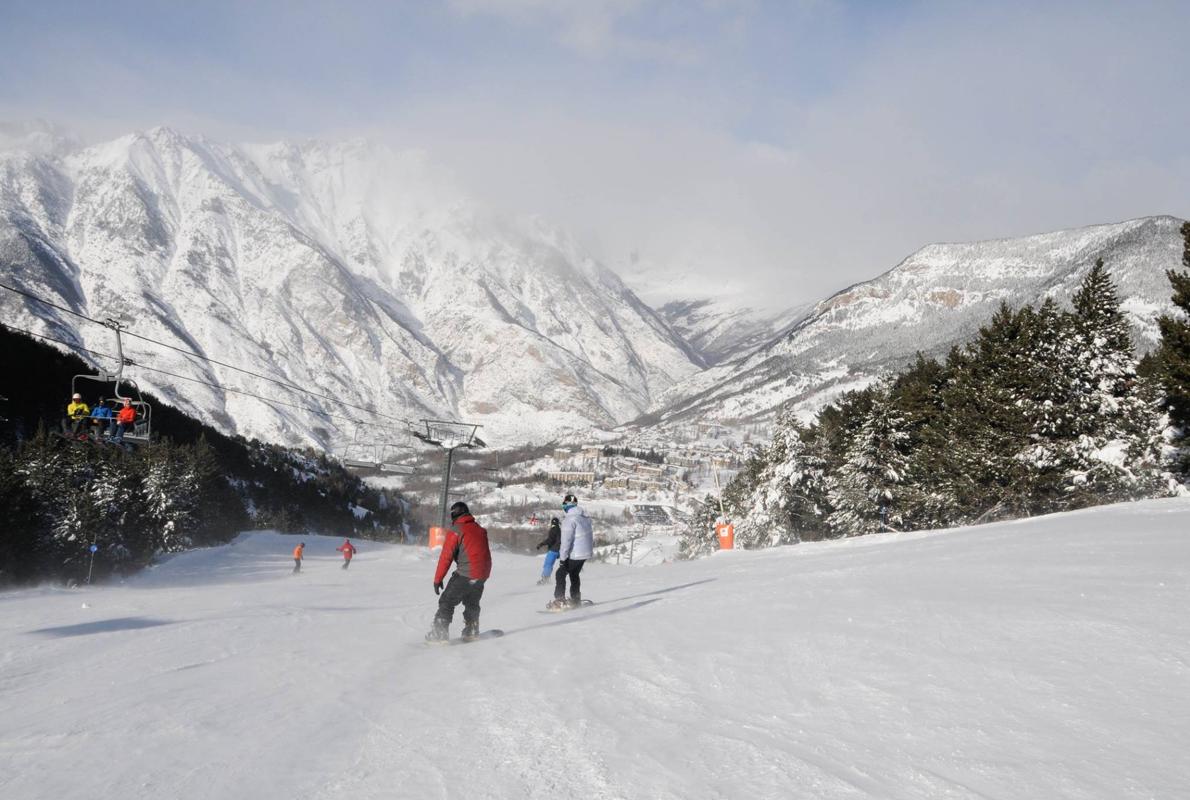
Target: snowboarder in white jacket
<point x="576" y="547"/>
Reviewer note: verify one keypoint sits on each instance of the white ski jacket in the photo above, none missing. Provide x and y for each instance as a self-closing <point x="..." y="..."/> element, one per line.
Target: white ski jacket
<point x="578" y="540"/>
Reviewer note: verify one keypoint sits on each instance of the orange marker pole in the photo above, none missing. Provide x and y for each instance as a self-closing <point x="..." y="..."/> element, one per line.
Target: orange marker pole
<point x="726" y="532"/>
<point x="437" y="537"/>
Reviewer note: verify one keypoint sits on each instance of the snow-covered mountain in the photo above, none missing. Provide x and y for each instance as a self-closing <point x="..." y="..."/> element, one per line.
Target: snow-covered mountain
<point x="348" y="268"/>
<point x="722" y="332"/>
<point x="364" y="274"/>
<point x="936" y="298"/>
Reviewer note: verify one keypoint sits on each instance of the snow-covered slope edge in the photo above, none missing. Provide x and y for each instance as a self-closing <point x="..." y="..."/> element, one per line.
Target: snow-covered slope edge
<point x="934" y="299"/>
<point x="1036" y="658"/>
<point x="347" y="268"/>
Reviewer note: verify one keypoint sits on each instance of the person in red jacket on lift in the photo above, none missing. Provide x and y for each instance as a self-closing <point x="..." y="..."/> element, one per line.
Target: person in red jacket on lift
<point x="348" y="550"/>
<point x="467" y="545"/>
<point x="125" y="420"/>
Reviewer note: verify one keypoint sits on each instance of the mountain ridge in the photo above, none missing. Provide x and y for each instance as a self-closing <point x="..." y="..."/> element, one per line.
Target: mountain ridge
<point x="404" y="295"/>
<point x="943" y="292"/>
<point x="366" y="274"/>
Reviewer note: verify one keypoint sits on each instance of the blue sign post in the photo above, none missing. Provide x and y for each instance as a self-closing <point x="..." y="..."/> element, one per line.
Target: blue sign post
<point x="94" y="549"/>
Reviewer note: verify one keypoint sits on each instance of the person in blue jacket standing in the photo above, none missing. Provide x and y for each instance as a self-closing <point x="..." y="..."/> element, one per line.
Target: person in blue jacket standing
<point x="552" y="541"/>
<point x="576" y="546"/>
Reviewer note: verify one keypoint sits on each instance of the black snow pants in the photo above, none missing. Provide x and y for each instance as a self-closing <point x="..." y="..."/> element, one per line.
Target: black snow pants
<point x="571" y="567"/>
<point x="459" y="590"/>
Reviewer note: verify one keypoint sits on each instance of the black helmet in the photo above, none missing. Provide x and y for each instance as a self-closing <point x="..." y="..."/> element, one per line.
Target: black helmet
<point x="554" y="521"/>
<point x="458" y="510"/>
<point x="570" y="499"/>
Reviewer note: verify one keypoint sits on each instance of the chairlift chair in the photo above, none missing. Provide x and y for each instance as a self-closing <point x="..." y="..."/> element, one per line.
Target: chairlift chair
<point x="359" y="454"/>
<point x="389" y="463"/>
<point x="142" y="428"/>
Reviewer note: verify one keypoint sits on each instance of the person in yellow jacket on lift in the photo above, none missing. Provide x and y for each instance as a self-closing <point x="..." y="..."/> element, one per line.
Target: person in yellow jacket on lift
<point x="76" y="414"/>
<point x="297" y="557"/>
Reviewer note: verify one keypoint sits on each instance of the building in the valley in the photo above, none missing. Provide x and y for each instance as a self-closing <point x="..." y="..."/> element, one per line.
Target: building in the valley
<point x="648" y="471"/>
<point x="572" y="477"/>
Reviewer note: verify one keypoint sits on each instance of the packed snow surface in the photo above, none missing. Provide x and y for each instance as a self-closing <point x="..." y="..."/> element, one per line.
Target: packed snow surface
<point x="1038" y="659"/>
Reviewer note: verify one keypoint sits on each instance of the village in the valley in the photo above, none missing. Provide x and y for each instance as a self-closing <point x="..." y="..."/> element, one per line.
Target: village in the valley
<point x="640" y="489"/>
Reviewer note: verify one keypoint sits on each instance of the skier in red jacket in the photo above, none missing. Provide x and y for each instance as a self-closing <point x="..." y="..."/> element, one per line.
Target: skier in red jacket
<point x="348" y="550"/>
<point x="466" y="544"/>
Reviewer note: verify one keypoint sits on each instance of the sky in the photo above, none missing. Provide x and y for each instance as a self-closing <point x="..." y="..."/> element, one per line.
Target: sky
<point x="771" y="153"/>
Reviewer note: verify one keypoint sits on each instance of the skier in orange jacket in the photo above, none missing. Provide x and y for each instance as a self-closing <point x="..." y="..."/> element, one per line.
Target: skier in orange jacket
<point x="348" y="550"/>
<point x="297" y="557"/>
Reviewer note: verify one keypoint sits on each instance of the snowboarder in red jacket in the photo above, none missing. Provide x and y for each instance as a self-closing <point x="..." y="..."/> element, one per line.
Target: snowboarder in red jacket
<point x="467" y="545"/>
<point x="348" y="550"/>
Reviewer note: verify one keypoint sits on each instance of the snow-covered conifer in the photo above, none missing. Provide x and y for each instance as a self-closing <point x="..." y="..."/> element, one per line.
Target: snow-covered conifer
<point x="699" y="537"/>
<point x="868" y="489"/>
<point x="1174" y="355"/>
<point x="783" y="502"/>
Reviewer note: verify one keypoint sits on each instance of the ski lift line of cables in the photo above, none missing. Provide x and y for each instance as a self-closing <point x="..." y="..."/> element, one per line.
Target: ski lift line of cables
<point x="266" y="400"/>
<point x="192" y="354"/>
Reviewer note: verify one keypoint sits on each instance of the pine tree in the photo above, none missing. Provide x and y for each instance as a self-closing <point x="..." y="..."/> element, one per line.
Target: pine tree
<point x="737" y="494"/>
<point x="170" y="490"/>
<point x="784" y="502"/>
<point x="1174" y="354"/>
<point x="23" y="526"/>
<point x="984" y="394"/>
<point x="1111" y="450"/>
<point x="121" y="530"/>
<point x="1054" y="401"/>
<point x="868" y="491"/>
<point x="699" y="537"/>
<point x="917" y="394"/>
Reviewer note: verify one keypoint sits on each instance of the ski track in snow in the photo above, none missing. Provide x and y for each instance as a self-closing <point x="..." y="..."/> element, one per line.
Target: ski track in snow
<point x="1039" y="658"/>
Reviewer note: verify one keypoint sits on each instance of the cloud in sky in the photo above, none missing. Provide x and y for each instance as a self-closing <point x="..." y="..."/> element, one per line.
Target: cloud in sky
<point x="743" y="144"/>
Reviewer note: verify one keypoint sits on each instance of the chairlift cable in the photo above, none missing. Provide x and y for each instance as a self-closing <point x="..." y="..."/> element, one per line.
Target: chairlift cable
<point x="220" y="387"/>
<point x="193" y="354"/>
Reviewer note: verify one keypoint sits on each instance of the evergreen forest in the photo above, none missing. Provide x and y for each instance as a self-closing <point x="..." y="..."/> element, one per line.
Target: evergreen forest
<point x="1047" y="409"/>
<point x="191" y="486"/>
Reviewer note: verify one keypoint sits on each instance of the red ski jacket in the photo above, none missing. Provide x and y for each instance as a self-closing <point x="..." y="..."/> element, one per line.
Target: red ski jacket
<point x="467" y="543"/>
<point x="347" y="549"/>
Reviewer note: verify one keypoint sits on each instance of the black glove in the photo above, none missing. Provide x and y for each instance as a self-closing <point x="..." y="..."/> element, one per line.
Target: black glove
<point x="438" y="587"/>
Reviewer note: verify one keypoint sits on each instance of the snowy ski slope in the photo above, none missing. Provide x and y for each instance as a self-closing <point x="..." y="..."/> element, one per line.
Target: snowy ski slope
<point x="1047" y="658"/>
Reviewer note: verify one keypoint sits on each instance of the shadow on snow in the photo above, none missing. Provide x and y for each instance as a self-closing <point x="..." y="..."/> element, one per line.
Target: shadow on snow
<point x="582" y="615"/>
<point x="103" y="626"/>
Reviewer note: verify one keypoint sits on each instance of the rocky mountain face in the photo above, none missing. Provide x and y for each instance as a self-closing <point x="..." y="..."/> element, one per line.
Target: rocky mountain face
<point x="346" y="269"/>
<point x="936" y="298"/>
<point x="360" y="274"/>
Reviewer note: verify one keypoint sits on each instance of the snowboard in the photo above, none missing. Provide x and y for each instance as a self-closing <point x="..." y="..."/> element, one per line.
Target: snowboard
<point x="491" y="633"/>
<point x="564" y="609"/>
